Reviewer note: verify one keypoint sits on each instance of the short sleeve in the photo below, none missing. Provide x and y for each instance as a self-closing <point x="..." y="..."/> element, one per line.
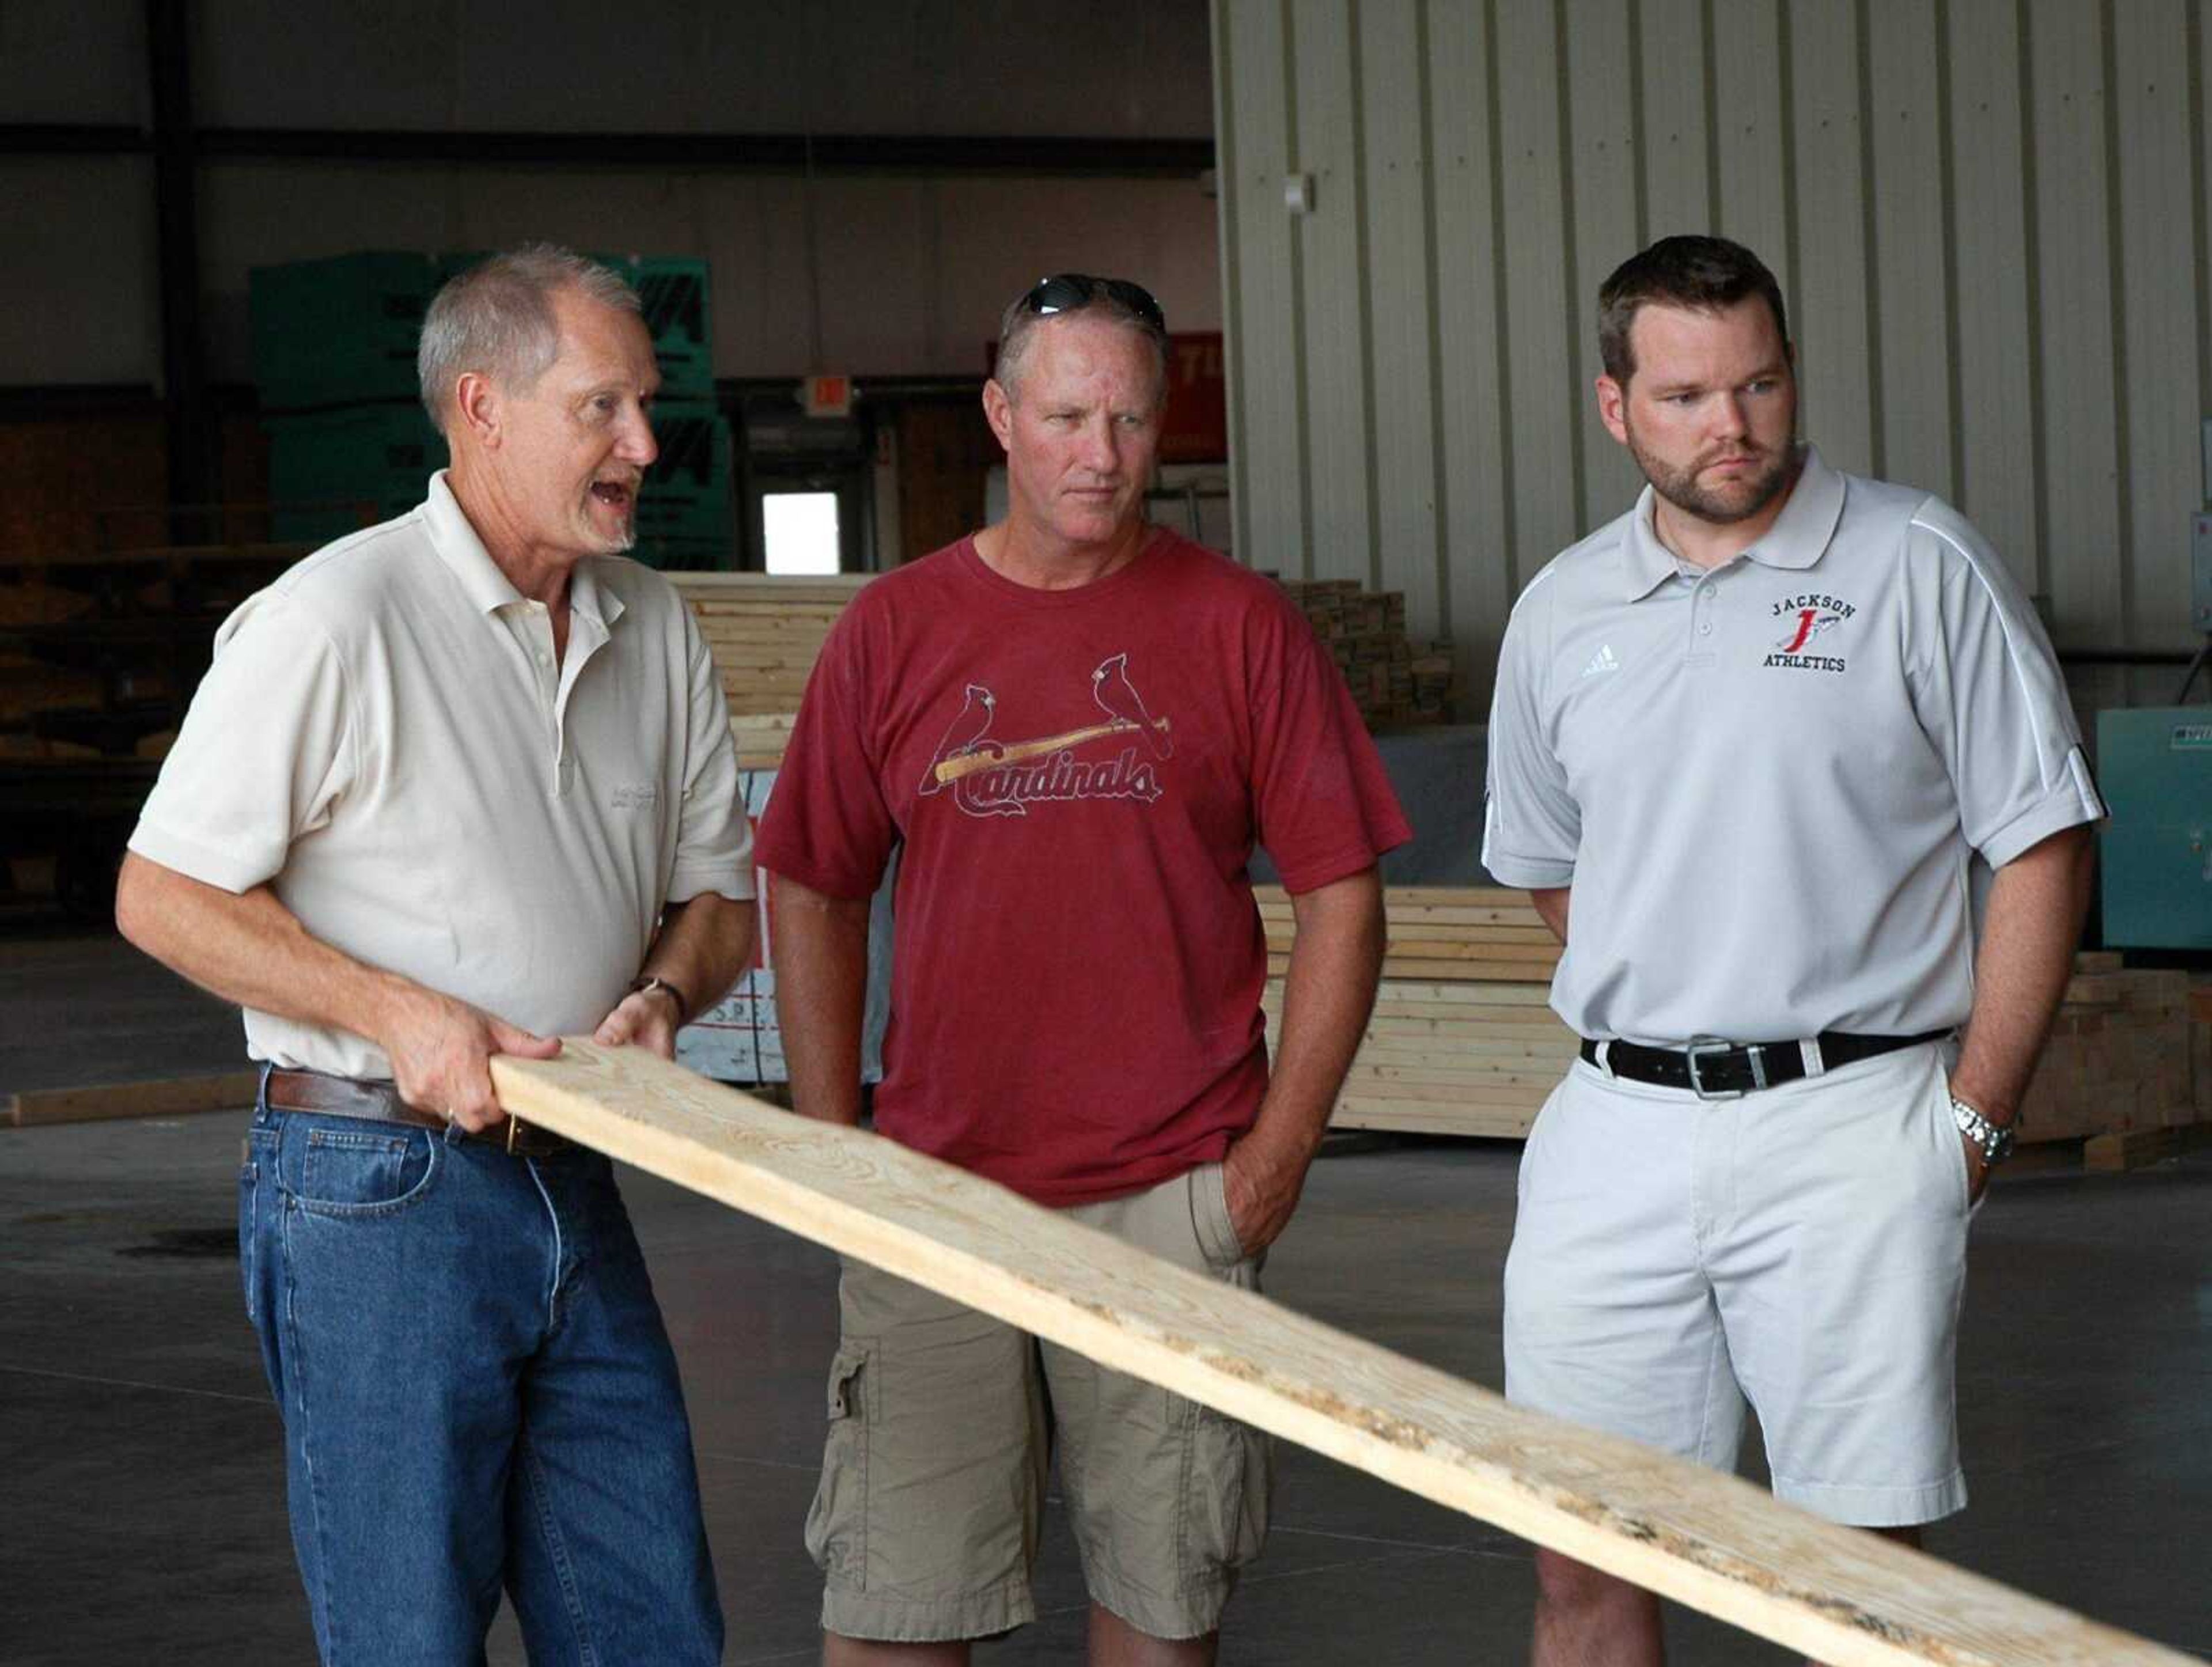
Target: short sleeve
<point x="714" y="838"/>
<point x="1324" y="805"/>
<point x="828" y="825"/>
<point x="1532" y="828"/>
<point x="1993" y="701"/>
<point x="266" y="750"/>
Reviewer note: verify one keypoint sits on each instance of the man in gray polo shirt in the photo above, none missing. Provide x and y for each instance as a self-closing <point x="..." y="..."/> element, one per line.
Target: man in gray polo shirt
<point x="1748" y="740"/>
<point x="454" y="787"/>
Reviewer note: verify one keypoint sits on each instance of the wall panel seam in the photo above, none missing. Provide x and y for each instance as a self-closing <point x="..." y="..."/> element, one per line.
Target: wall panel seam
<point x="1362" y="277"/>
<point x="1870" y="239"/>
<point x="1947" y="197"/>
<point x="1508" y="486"/>
<point x="1301" y="416"/>
<point x="1440" y="544"/>
<point x="1793" y="287"/>
<point x="1225" y="185"/>
<point x="1712" y="89"/>
<point x="1563" y="71"/>
<point x="2194" y="25"/>
<point x="2031" y="236"/>
<point x="2116" y="267"/>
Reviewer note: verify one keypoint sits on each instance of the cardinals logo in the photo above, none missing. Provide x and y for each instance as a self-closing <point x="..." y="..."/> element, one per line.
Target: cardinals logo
<point x="991" y="777"/>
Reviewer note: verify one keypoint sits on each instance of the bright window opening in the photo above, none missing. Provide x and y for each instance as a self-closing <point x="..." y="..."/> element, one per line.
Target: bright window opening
<point x="802" y="532"/>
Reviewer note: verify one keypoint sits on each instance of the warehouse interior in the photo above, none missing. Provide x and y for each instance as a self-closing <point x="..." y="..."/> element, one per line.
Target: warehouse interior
<point x="1375" y="228"/>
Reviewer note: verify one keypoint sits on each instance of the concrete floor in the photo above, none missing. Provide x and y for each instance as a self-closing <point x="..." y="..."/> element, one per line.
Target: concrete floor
<point x="142" y="1503"/>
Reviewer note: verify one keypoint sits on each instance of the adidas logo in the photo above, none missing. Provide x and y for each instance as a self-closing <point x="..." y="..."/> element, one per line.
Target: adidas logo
<point x="1602" y="662"/>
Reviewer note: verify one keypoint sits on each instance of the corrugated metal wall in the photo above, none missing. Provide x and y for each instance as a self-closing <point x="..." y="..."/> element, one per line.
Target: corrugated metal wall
<point x="1989" y="218"/>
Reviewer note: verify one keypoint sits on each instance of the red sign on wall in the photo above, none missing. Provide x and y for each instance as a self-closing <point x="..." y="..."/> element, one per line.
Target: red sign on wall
<point x="1197" y="429"/>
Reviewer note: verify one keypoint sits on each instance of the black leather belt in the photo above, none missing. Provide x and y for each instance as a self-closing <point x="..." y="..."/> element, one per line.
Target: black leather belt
<point x="1713" y="1068"/>
<point x="380" y="1102"/>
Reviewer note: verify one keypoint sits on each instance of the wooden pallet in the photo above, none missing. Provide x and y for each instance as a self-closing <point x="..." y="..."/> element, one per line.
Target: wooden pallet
<point x="1694" y="1535"/>
<point x="2125" y="1058"/>
<point x="1462" y="1040"/>
<point x="168" y="1096"/>
<point x="765" y="633"/>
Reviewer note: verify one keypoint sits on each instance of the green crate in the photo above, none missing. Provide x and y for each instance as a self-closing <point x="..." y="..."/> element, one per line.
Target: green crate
<point x="690" y="492"/>
<point x="340" y="331"/>
<point x="331" y="472"/>
<point x="673" y="291"/>
<point x="344" y="331"/>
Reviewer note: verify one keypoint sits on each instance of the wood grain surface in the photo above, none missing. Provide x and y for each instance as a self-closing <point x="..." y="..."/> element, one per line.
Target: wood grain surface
<point x="1704" y="1539"/>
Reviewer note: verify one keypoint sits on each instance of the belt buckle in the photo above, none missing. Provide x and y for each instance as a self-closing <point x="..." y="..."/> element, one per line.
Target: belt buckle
<point x="513" y="1131"/>
<point x="1719" y="1044"/>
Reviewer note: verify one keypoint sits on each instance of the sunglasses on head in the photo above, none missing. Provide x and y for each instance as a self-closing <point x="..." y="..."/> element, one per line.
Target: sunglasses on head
<point x="1070" y="292"/>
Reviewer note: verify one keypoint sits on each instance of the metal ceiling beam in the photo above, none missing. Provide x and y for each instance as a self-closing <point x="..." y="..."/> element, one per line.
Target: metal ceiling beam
<point x="768" y="152"/>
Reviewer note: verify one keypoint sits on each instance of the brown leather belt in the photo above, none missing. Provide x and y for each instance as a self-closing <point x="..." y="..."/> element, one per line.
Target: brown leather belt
<point x="380" y="1102"/>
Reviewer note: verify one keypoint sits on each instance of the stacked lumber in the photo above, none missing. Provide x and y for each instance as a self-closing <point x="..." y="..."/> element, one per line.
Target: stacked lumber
<point x="1462" y="1041"/>
<point x="1396" y="678"/>
<point x="2122" y="1060"/>
<point x="765" y="633"/>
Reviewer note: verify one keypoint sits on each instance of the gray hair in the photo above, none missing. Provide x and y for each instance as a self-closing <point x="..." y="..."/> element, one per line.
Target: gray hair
<point x="497" y="319"/>
<point x="1018" y="323"/>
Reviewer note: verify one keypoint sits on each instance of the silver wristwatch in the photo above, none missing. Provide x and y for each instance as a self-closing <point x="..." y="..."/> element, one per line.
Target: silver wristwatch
<point x="1996" y="1142"/>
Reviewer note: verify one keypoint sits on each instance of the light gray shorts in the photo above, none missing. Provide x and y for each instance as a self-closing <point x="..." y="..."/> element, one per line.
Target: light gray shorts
<point x="1802" y="1250"/>
<point x="942" y="1421"/>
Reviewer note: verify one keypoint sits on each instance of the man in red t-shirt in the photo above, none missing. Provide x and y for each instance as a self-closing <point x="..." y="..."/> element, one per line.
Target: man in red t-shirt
<point x="1073" y="728"/>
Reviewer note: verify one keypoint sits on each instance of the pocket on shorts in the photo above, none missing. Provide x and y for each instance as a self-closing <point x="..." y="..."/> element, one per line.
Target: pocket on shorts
<point x="1954" y="1144"/>
<point x="837" y="1521"/>
<point x="1210" y="1219"/>
<point x="373" y="1170"/>
<point x="1231" y="1476"/>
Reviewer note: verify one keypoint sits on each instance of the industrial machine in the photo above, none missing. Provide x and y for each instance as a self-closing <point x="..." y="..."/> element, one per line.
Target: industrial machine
<point x="2154" y="765"/>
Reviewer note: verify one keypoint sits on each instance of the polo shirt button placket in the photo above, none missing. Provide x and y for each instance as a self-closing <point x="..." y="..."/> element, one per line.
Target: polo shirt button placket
<point x="1701" y="625"/>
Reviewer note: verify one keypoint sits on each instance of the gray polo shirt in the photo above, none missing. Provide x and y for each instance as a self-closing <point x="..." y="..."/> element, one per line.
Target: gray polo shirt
<point x="386" y="739"/>
<point x="1765" y="783"/>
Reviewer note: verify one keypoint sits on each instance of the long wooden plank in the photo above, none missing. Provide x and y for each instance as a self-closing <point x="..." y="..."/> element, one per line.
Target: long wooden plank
<point x="164" y="1097"/>
<point x="1710" y="1541"/>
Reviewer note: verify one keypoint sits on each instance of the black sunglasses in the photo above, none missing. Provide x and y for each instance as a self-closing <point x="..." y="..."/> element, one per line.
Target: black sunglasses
<point x="1070" y="292"/>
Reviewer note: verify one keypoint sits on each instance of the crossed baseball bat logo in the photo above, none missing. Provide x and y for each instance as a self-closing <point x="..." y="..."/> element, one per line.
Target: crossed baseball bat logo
<point x="966" y="747"/>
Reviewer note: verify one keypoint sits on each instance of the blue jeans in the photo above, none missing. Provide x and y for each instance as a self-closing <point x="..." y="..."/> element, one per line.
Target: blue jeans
<point x="477" y="1394"/>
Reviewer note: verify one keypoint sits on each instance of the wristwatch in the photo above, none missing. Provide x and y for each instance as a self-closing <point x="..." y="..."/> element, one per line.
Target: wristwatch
<point x="646" y="985"/>
<point x="1996" y="1141"/>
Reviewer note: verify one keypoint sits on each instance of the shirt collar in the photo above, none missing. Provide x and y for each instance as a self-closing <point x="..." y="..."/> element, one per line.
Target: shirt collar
<point x="481" y="580"/>
<point x="1797" y="540"/>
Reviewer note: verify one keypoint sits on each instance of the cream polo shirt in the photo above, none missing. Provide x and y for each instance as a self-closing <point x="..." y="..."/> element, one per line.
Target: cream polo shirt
<point x="1765" y="783"/>
<point x="385" y="739"/>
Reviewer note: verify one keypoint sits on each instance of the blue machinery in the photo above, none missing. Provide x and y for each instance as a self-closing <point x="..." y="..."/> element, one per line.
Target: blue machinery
<point x="2154" y="765"/>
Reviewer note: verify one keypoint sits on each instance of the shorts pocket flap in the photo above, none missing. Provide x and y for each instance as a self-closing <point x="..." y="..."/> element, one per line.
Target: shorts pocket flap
<point x="847" y="1389"/>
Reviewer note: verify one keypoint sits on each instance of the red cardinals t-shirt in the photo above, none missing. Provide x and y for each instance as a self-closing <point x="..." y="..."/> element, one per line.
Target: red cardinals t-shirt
<point x="1076" y="779"/>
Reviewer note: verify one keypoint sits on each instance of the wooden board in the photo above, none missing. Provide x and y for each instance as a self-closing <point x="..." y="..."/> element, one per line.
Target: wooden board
<point x="168" y="1096"/>
<point x="1707" y="1540"/>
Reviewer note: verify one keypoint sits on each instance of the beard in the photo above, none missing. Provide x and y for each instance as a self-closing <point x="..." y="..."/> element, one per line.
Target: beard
<point x="1722" y="506"/>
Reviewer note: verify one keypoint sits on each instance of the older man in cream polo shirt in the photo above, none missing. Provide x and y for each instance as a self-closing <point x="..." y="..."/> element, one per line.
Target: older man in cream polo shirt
<point x="1748" y="739"/>
<point x="455" y="786"/>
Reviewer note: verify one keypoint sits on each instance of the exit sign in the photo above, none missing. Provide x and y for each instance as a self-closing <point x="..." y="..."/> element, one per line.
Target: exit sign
<point x="827" y="396"/>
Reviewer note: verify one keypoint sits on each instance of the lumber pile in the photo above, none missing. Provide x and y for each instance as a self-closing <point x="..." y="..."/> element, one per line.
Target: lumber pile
<point x="1703" y="1538"/>
<point x="1462" y="1041"/>
<point x="1396" y="679"/>
<point x="765" y="633"/>
<point x="2123" y="1058"/>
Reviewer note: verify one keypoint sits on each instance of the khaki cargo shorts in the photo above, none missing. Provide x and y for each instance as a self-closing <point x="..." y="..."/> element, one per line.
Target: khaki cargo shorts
<point x="942" y="1421"/>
